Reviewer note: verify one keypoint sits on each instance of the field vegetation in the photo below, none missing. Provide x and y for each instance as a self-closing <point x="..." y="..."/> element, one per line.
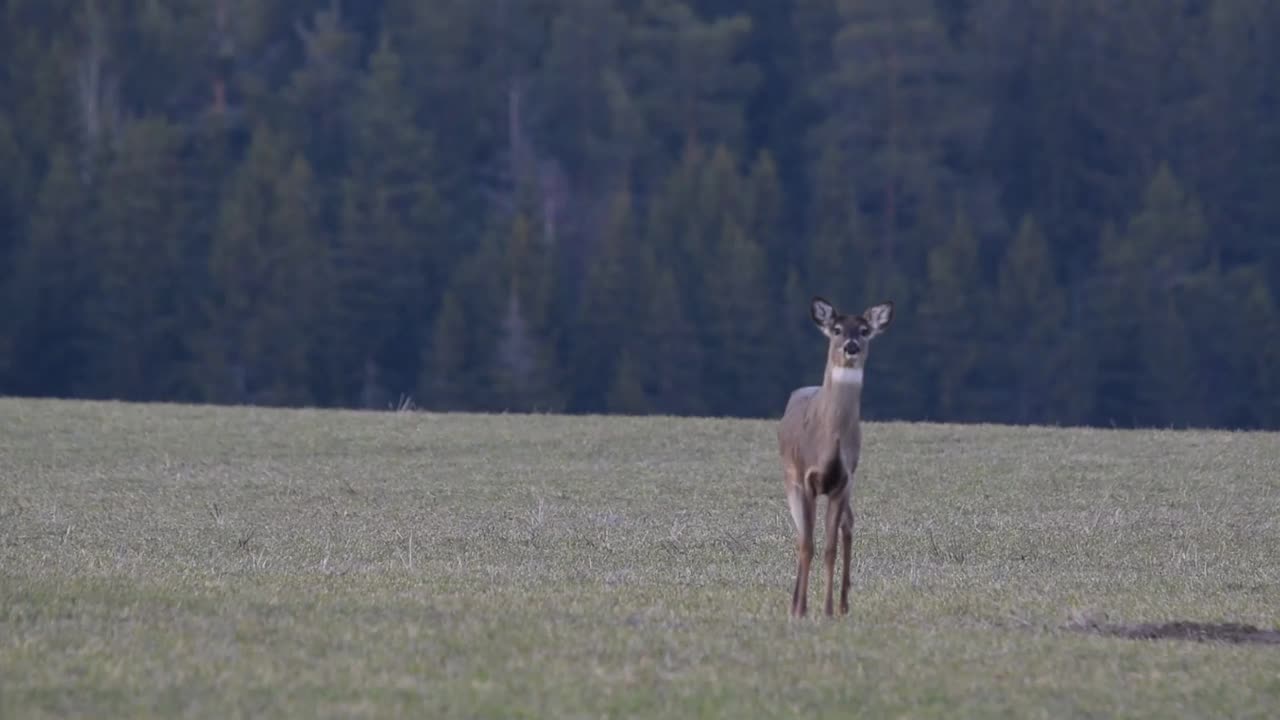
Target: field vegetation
<point x="180" y="561"/>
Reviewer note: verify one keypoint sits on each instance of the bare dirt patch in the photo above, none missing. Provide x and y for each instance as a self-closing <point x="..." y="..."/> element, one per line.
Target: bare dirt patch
<point x="1236" y="633"/>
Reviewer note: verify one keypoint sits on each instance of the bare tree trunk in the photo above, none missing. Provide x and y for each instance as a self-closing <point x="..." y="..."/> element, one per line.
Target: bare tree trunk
<point x="891" y="180"/>
<point x="95" y="88"/>
<point x="223" y="49"/>
<point x="515" y="139"/>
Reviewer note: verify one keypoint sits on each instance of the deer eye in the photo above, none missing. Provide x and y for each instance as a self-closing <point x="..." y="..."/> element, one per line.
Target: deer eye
<point x="864" y="331"/>
<point x="837" y="330"/>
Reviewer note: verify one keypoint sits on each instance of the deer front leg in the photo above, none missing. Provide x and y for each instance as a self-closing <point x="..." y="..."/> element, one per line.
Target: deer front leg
<point x="835" y="512"/>
<point x="802" y="502"/>
<point x="846" y="542"/>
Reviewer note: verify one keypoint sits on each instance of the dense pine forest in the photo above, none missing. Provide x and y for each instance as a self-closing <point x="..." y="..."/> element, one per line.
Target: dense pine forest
<point x="625" y="205"/>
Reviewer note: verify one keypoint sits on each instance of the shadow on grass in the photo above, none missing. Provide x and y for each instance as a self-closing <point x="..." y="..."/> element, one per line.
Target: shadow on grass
<point x="1235" y="633"/>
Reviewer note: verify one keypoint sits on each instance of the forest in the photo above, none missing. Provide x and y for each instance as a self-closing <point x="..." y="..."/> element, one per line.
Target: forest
<point x="625" y="206"/>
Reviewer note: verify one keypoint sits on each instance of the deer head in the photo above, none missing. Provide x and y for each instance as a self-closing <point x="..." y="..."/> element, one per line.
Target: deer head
<point x="850" y="335"/>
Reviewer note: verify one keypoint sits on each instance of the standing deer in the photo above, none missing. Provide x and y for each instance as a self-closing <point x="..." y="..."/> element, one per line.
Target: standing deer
<point x="820" y="439"/>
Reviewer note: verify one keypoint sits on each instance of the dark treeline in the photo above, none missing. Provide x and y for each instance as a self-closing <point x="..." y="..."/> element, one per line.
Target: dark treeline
<point x="625" y="205"/>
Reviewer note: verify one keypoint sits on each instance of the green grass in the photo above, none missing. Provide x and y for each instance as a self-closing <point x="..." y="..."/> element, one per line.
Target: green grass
<point x="165" y="561"/>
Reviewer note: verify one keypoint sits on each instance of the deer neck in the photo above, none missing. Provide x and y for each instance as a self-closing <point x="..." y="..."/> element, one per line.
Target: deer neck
<point x="840" y="401"/>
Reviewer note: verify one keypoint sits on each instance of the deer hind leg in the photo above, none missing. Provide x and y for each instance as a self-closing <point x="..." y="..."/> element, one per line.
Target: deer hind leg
<point x="801" y="500"/>
<point x="846" y="543"/>
<point x="835" y="513"/>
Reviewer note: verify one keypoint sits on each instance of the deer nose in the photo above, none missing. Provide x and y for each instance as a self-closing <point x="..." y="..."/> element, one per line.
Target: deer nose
<point x="852" y="348"/>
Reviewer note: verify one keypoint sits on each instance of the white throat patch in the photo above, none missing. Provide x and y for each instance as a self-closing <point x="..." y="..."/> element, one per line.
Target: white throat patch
<point x="846" y="376"/>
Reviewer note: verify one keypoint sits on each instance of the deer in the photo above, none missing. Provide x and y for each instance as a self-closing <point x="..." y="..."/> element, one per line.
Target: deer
<point x="820" y="441"/>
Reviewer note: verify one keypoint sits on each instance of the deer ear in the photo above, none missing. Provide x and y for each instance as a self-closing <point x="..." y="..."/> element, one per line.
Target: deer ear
<point x="823" y="314"/>
<point x="879" y="316"/>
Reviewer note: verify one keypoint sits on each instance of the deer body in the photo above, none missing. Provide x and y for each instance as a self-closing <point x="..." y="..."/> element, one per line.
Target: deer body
<point x="820" y="441"/>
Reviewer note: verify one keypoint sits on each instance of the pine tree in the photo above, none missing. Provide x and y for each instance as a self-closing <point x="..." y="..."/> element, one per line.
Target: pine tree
<point x="446" y="376"/>
<point x="270" y="282"/>
<point x="626" y="395"/>
<point x="142" y="313"/>
<point x="1230" y="134"/>
<point x="613" y="291"/>
<point x="672" y="225"/>
<point x="842" y="252"/>
<point x="1250" y="342"/>
<point x="322" y="88"/>
<point x="673" y="345"/>
<point x="763" y="208"/>
<point x="701" y="199"/>
<point x="12" y="198"/>
<point x="1145" y="358"/>
<point x="743" y="364"/>
<point x="814" y="24"/>
<point x="515" y="359"/>
<point x="811" y="28"/>
<point x="687" y="77"/>
<point x="462" y="351"/>
<point x="577" y="86"/>
<point x="524" y="364"/>
<point x="1074" y="135"/>
<point x="1032" y="313"/>
<point x="390" y="244"/>
<point x="52" y="284"/>
<point x="898" y="386"/>
<point x="720" y="196"/>
<point x="804" y="360"/>
<point x="894" y="114"/>
<point x="481" y="61"/>
<point x="954" y="316"/>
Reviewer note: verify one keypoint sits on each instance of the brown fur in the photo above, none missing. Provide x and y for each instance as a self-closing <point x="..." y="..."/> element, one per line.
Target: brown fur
<point x="820" y="441"/>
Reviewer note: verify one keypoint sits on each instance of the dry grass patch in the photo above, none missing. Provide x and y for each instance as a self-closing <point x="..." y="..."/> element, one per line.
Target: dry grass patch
<point x="158" y="561"/>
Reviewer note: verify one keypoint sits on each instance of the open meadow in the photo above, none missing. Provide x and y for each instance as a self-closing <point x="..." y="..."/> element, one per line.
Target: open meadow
<point x="175" y="561"/>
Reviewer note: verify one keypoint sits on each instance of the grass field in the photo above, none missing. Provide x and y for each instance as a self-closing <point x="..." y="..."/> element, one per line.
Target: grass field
<point x="170" y="561"/>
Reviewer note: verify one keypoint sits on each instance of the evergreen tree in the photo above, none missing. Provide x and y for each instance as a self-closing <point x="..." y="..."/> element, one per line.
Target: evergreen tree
<point x="894" y="113"/>
<point x="899" y="387"/>
<point x="515" y="359"/>
<point x="1145" y="357"/>
<point x="804" y="360"/>
<point x="10" y="224"/>
<point x="672" y="230"/>
<point x="612" y="293"/>
<point x="389" y="247"/>
<point x="49" y="293"/>
<point x="463" y="195"/>
<point x="142" y="312"/>
<point x="701" y="201"/>
<point x="719" y="202"/>
<point x="1230" y="135"/>
<point x="814" y="24"/>
<point x="688" y="79"/>
<point x="446" y="376"/>
<point x="1067" y="139"/>
<point x="954" y="314"/>
<point x="626" y="395"/>
<point x="460" y="374"/>
<point x="577" y="85"/>
<point x="12" y="195"/>
<point x="673" y="347"/>
<point x="524" y="364"/>
<point x="763" y="210"/>
<point x="842" y="252"/>
<point x="322" y="88"/>
<point x="743" y="367"/>
<point x="271" y="289"/>
<point x="1242" y="358"/>
<point x="1032" y="314"/>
